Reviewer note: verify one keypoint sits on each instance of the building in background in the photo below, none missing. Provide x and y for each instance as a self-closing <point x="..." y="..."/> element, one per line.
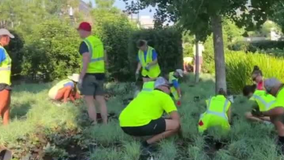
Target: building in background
<point x="145" y="22"/>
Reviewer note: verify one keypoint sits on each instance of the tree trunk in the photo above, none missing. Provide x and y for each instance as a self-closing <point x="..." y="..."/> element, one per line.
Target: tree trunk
<point x="219" y="53"/>
<point x="196" y="61"/>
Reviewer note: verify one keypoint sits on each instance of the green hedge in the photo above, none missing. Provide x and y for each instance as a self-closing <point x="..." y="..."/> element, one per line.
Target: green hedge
<point x="115" y="34"/>
<point x="168" y="44"/>
<point x="239" y="66"/>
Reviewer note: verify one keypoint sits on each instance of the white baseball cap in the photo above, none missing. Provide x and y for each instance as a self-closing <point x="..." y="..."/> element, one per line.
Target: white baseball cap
<point x="5" y="32"/>
<point x="161" y="82"/>
<point x="74" y="77"/>
<point x="180" y="72"/>
<point x="270" y="83"/>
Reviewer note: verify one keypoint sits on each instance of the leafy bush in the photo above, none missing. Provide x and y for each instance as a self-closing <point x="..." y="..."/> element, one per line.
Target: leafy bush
<point x="115" y="34"/>
<point x="53" y="53"/>
<point x="240" y="65"/>
<point x="167" y="42"/>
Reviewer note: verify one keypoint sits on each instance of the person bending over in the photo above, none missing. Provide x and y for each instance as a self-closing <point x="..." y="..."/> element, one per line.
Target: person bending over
<point x="262" y="102"/>
<point x="143" y="116"/>
<point x="218" y="114"/>
<point x="276" y="111"/>
<point x="65" y="89"/>
<point x="175" y="88"/>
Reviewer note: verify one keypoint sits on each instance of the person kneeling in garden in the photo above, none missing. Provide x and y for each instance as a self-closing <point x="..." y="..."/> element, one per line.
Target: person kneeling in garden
<point x="218" y="114"/>
<point x="262" y="102"/>
<point x="175" y="88"/>
<point x="276" y="111"/>
<point x="143" y="116"/>
<point x="65" y="89"/>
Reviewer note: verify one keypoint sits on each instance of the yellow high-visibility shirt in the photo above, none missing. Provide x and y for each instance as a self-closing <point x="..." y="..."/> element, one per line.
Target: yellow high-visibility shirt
<point x="147" y="106"/>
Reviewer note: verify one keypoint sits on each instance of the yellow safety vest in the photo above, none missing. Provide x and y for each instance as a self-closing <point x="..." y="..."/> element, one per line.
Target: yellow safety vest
<point x="173" y="89"/>
<point x="5" y="69"/>
<point x="96" y="49"/>
<point x="148" y="86"/>
<point x="263" y="100"/>
<point x="154" y="71"/>
<point x="172" y="77"/>
<point x="218" y="106"/>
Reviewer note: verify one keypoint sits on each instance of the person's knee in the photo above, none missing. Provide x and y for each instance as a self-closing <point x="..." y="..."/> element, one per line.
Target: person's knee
<point x="100" y="99"/>
<point x="174" y="125"/>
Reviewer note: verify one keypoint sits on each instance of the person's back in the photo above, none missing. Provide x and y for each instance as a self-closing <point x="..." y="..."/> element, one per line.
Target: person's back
<point x="145" y="107"/>
<point x="263" y="100"/>
<point x="216" y="114"/>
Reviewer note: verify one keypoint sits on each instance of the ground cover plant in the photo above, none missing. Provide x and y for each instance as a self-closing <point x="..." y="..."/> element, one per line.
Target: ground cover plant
<point x="42" y="130"/>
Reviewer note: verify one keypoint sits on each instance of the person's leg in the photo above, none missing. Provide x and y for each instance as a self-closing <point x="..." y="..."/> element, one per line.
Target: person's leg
<point x="249" y="116"/>
<point x="88" y="90"/>
<point x="172" y="127"/>
<point x="100" y="97"/>
<point x="60" y="94"/>
<point x="5" y="100"/>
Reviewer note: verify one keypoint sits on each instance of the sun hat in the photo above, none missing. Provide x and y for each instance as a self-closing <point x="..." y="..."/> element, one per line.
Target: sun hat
<point x="5" y="32"/>
<point x="74" y="77"/>
<point x="270" y="83"/>
<point x="180" y="72"/>
<point x="161" y="82"/>
<point x="86" y="26"/>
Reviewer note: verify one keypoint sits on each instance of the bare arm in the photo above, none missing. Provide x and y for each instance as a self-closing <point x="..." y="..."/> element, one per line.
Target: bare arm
<point x="175" y="116"/>
<point x="274" y="112"/>
<point x="153" y="63"/>
<point x="86" y="60"/>
<point x="138" y="67"/>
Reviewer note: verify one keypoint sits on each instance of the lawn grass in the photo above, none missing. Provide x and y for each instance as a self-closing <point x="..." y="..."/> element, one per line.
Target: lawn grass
<point x="32" y="114"/>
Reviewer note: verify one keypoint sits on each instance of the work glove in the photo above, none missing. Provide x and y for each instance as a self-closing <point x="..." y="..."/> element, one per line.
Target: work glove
<point x="256" y="112"/>
<point x="147" y="67"/>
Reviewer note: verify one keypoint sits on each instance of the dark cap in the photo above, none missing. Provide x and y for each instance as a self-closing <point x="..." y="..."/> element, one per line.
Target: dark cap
<point x="85" y="26"/>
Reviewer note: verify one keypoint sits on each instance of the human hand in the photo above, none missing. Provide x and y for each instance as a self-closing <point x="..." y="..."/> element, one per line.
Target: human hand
<point x="147" y="67"/>
<point x="256" y="112"/>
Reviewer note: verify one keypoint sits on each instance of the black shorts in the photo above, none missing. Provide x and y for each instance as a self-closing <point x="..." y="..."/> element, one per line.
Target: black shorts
<point x="153" y="128"/>
<point x="5" y="86"/>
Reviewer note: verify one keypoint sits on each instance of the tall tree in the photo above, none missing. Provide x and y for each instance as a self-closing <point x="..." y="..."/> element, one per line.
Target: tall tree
<point x="202" y="17"/>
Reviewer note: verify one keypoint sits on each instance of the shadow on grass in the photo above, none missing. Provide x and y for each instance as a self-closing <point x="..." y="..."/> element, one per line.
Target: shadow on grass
<point x="32" y="88"/>
<point x="20" y="111"/>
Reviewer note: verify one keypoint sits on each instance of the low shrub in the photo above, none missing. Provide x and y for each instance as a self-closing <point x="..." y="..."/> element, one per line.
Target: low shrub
<point x="239" y="66"/>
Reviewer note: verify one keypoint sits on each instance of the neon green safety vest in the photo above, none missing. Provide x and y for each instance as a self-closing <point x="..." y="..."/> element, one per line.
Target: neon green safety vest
<point x="173" y="89"/>
<point x="148" y="86"/>
<point x="5" y="69"/>
<point x="154" y="71"/>
<point x="218" y="106"/>
<point x="96" y="49"/>
<point x="263" y="100"/>
<point x="172" y="77"/>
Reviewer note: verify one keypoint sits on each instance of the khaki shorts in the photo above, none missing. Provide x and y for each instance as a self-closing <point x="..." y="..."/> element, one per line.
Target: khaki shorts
<point x="52" y="93"/>
<point x="91" y="86"/>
